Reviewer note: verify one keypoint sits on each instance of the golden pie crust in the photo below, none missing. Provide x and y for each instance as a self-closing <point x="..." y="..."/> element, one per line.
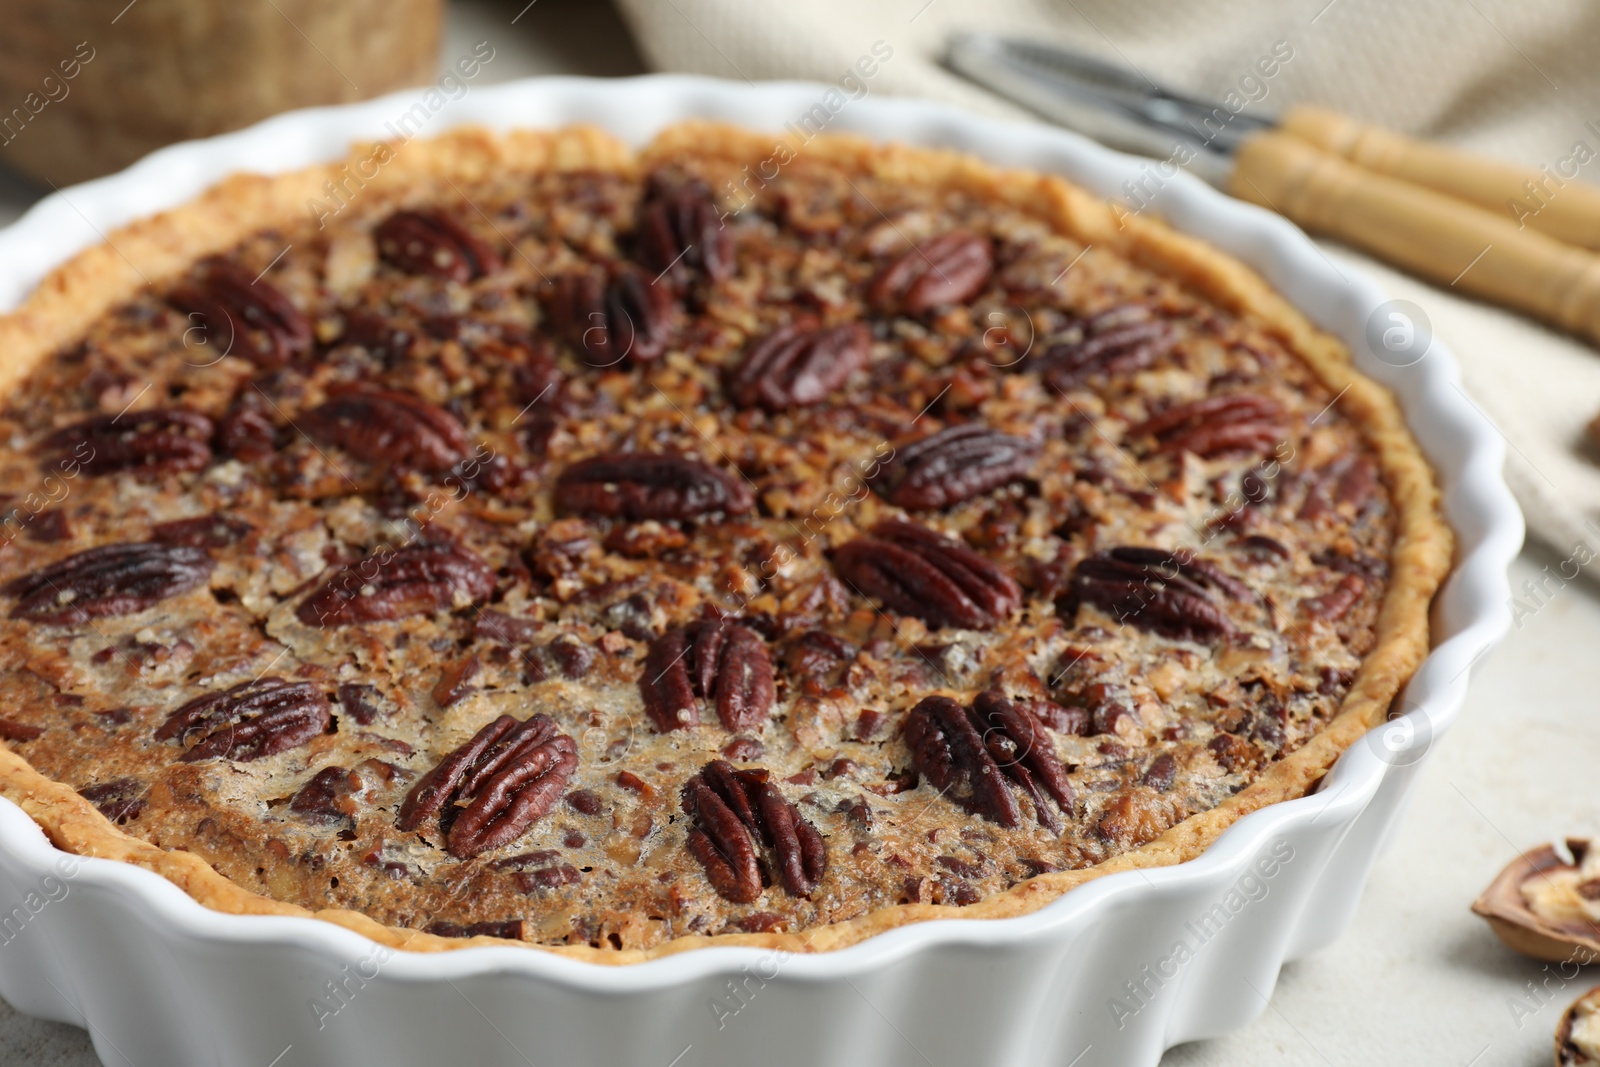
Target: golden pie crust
<point x="168" y="244"/>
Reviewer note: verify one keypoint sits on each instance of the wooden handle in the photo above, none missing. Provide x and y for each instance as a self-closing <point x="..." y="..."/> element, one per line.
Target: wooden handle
<point x="1560" y="204"/>
<point x="1427" y="233"/>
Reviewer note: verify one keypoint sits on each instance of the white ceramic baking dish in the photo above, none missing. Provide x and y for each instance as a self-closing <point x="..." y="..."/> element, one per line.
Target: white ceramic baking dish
<point x="1113" y="973"/>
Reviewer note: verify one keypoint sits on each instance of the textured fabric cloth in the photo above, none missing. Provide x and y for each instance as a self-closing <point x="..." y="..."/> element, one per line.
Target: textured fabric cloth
<point x="1504" y="77"/>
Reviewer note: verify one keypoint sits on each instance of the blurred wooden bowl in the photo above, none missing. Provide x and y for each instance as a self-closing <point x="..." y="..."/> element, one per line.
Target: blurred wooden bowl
<point x="84" y="90"/>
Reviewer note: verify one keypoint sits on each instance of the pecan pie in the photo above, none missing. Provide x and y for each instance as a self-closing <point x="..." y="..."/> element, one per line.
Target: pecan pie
<point x="735" y="541"/>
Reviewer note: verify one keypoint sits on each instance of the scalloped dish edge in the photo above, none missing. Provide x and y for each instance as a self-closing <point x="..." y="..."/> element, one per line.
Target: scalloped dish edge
<point x="97" y="279"/>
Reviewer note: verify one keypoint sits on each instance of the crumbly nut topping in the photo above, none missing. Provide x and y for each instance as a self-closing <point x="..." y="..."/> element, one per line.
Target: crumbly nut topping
<point x="569" y="557"/>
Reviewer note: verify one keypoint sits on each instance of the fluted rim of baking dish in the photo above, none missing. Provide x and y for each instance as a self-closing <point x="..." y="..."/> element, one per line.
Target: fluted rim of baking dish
<point x="1470" y="612"/>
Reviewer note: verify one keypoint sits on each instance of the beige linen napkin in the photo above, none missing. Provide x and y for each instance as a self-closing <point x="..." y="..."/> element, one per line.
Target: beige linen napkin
<point x="1504" y="77"/>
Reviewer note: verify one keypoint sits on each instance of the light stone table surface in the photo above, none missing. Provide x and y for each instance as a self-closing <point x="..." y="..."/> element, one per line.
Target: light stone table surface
<point x="1417" y="980"/>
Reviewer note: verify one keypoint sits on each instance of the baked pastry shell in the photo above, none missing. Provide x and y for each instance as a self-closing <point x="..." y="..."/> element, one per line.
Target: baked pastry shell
<point x="135" y="957"/>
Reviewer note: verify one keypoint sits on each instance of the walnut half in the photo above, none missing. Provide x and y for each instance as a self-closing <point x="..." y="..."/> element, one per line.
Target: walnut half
<point x="1547" y="906"/>
<point x="1578" y="1035"/>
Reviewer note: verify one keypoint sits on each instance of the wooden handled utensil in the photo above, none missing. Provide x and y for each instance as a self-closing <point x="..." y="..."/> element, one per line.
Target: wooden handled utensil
<point x="1434" y="236"/>
<point x="1553" y="200"/>
<point x="1437" y="212"/>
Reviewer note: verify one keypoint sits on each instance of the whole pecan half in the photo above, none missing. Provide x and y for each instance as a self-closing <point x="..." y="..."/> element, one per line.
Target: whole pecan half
<point x="389" y="427"/>
<point x="107" y="580"/>
<point x="1114" y="343"/>
<point x="609" y="320"/>
<point x="1231" y="422"/>
<point x="718" y="660"/>
<point x="737" y="814"/>
<point x="681" y="230"/>
<point x="143" y="442"/>
<point x="1159" y="561"/>
<point x="948" y="749"/>
<point x="431" y="242"/>
<point x="392" y="584"/>
<point x="918" y="572"/>
<point x="491" y="789"/>
<point x="949" y="269"/>
<point x="798" y="365"/>
<point x="242" y="315"/>
<point x="953" y="465"/>
<point x="249" y="721"/>
<point x="665" y="684"/>
<point x="1015" y="736"/>
<point x="1163" y="592"/>
<point x="645" y="485"/>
